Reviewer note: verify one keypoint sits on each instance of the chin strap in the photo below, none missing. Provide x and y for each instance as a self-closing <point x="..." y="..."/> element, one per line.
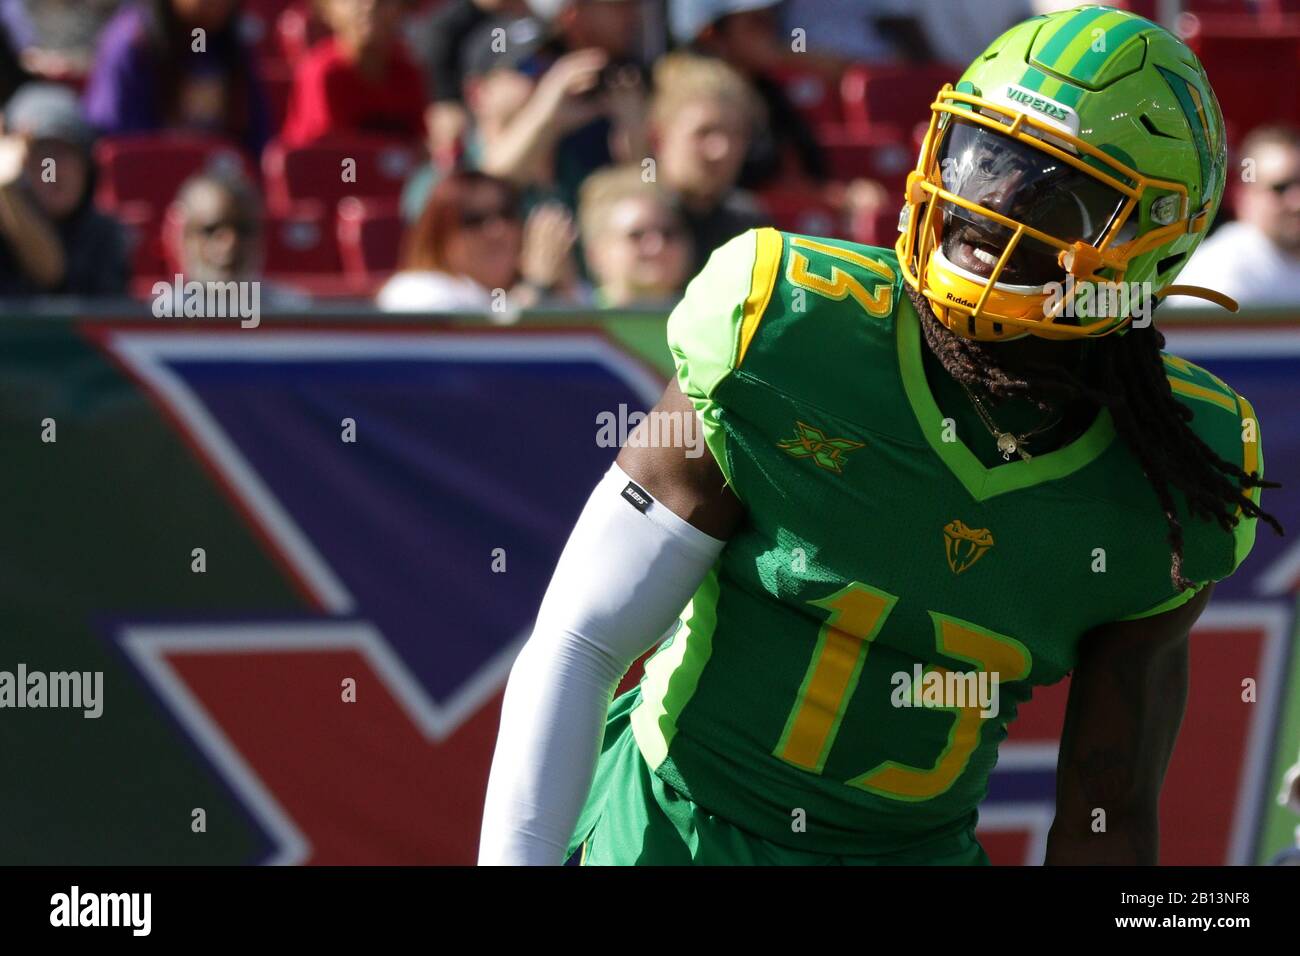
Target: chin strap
<point x="1199" y="292"/>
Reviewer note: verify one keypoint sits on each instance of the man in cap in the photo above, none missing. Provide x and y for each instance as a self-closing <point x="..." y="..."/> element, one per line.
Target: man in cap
<point x="52" y="239"/>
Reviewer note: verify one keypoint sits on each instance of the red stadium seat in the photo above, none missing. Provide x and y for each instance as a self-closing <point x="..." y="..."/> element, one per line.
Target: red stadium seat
<point x="892" y="96"/>
<point x="150" y="168"/>
<point x="802" y="211"/>
<point x="1255" y="70"/>
<point x="1233" y="8"/>
<point x="142" y="222"/>
<point x="812" y="94"/>
<point x="316" y="172"/>
<point x="882" y="155"/>
<point x="303" y="241"/>
<point x="370" y="236"/>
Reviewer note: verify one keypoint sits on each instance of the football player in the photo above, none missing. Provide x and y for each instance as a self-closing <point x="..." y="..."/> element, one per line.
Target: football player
<point x="958" y="458"/>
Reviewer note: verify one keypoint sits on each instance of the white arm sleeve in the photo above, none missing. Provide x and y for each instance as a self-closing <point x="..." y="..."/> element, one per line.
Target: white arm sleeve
<point x="622" y="580"/>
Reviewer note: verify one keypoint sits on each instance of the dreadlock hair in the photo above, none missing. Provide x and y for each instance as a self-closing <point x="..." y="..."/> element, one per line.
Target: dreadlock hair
<point x="1126" y="375"/>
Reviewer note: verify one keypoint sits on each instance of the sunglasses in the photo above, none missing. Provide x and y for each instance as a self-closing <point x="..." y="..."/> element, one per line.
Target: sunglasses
<point x="477" y="219"/>
<point x="207" y="230"/>
<point x="666" y="233"/>
<point x="1280" y="189"/>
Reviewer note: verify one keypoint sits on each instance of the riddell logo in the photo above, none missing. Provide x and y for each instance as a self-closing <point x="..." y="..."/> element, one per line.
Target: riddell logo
<point x="952" y="298"/>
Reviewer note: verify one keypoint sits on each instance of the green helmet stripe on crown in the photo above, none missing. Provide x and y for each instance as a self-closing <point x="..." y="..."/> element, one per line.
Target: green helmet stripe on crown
<point x="1068" y="94"/>
<point x="1092" y="61"/>
<point x="1067" y="31"/>
<point x="1033" y="79"/>
<point x="1067" y="61"/>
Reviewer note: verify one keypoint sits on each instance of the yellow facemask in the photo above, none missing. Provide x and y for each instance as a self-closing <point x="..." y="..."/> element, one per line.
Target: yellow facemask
<point x="985" y="308"/>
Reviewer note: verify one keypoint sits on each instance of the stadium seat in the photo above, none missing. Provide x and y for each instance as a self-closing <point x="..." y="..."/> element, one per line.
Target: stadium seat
<point x="303" y="241"/>
<point x="1234" y="8"/>
<point x="1255" y="70"/>
<point x="801" y="210"/>
<point x="150" y="168"/>
<point x="316" y="172"/>
<point x="370" y="236"/>
<point x="142" y="223"/>
<point x="893" y="97"/>
<point x="882" y="155"/>
<point x="812" y="94"/>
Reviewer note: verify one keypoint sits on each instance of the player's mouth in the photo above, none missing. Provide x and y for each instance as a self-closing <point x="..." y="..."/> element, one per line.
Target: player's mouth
<point x="973" y="250"/>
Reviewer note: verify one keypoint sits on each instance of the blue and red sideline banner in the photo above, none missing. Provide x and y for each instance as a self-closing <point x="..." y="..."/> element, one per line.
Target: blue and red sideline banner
<point x="304" y="555"/>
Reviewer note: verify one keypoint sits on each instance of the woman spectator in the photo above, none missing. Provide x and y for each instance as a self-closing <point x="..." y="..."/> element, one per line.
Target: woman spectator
<point x="358" y="80"/>
<point x="469" y="251"/>
<point x="52" y="240"/>
<point x="637" y="247"/>
<point x="177" y="64"/>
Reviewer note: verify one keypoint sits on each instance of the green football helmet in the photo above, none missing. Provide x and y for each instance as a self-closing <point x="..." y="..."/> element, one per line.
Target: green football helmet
<point x="1086" y="144"/>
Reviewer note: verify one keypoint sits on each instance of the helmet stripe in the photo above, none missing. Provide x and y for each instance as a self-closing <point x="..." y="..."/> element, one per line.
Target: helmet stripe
<point x="1033" y="79"/>
<point x="1081" y="45"/>
<point x="1066" y="32"/>
<point x="1092" y="61"/>
<point x="1196" y="121"/>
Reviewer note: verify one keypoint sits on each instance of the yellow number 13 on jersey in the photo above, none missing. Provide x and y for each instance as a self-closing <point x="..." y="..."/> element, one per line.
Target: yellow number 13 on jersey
<point x="842" y="284"/>
<point x="857" y="614"/>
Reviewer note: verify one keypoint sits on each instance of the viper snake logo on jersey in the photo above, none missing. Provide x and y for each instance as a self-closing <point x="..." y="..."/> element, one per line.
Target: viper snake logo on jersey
<point x="964" y="546"/>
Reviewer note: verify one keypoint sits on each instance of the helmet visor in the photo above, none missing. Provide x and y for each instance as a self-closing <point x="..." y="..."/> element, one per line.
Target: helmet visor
<point x="1022" y="183"/>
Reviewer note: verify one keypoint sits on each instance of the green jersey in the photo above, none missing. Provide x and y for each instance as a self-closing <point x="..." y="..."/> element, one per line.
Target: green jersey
<point x="881" y="559"/>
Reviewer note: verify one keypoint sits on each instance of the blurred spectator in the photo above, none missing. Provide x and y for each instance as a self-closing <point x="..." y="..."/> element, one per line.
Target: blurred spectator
<point x="494" y="90"/>
<point x="469" y="251"/>
<point x="585" y="104"/>
<point x="217" y="228"/>
<point x="1289" y="796"/>
<point x="746" y="34"/>
<point x="853" y="29"/>
<point x="149" y="76"/>
<point x="12" y="72"/>
<point x="885" y="31"/>
<point x="1256" y="259"/>
<point x="637" y="248"/>
<point x="54" y="241"/>
<point x="56" y="38"/>
<point x="358" y="80"/>
<point x="452" y="24"/>
<point x="702" y="119"/>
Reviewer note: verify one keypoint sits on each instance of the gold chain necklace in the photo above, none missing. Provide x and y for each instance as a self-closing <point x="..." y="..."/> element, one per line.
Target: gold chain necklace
<point x="1008" y="443"/>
